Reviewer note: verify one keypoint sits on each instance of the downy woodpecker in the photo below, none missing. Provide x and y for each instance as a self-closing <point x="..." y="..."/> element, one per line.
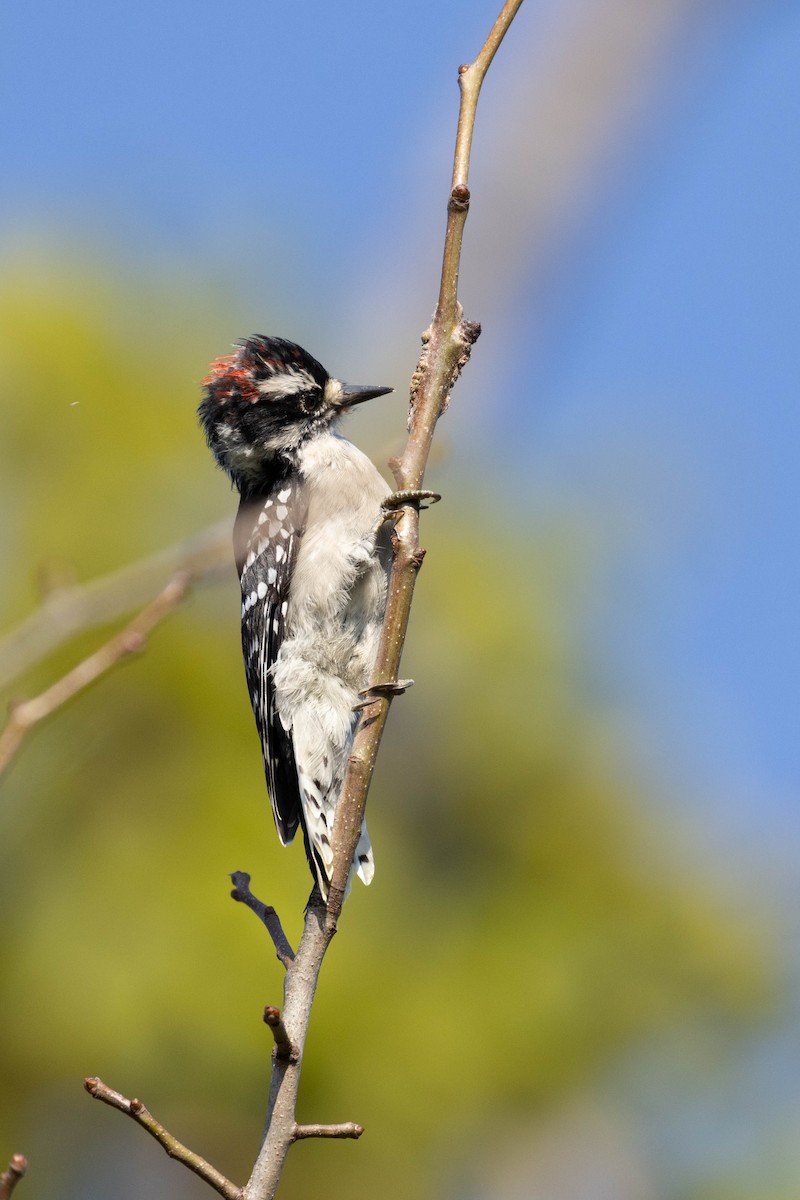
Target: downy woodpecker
<point x="313" y="560"/>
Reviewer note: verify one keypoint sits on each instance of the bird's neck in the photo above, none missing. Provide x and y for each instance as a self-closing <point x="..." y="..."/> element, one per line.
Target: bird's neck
<point x="270" y="474"/>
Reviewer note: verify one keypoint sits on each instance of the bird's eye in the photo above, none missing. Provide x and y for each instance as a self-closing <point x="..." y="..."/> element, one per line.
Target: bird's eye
<point x="311" y="399"/>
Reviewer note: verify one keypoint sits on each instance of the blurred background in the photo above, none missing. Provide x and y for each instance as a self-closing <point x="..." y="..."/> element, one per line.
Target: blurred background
<point x="576" y="973"/>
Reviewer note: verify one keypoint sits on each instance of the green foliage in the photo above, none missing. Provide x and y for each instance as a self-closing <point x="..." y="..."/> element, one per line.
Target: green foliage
<point x="529" y="921"/>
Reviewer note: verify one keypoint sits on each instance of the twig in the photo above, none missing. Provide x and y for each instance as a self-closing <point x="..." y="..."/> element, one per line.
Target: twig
<point x="24" y="714"/>
<point x="265" y="913"/>
<point x="68" y="611"/>
<point x="12" y="1175"/>
<point x="298" y="989"/>
<point x="446" y="349"/>
<point x="283" y="1043"/>
<point x="348" y="1129"/>
<point x="175" y="1149"/>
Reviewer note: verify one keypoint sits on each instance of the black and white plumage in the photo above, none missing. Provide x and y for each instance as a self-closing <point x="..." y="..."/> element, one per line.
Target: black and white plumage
<point x="313" y="561"/>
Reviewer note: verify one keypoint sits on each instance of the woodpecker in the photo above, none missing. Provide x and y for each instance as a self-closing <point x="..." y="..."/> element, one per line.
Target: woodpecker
<point x="313" y="555"/>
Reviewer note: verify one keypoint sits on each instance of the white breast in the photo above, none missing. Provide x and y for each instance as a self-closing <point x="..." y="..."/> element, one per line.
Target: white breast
<point x="345" y="492"/>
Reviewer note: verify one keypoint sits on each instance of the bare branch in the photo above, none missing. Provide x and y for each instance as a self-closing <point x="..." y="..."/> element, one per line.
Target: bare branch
<point x="446" y="349"/>
<point x="283" y="1043"/>
<point x="470" y="79"/>
<point x="265" y="913"/>
<point x="25" y="714"/>
<point x="348" y="1129"/>
<point x="68" y="611"/>
<point x="175" y="1149"/>
<point x="12" y="1175"/>
<point x="299" y="988"/>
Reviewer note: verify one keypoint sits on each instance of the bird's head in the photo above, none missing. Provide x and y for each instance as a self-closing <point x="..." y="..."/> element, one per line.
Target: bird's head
<point x="267" y="398"/>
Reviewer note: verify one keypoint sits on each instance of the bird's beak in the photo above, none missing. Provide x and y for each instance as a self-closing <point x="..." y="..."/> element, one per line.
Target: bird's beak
<point x="355" y="393"/>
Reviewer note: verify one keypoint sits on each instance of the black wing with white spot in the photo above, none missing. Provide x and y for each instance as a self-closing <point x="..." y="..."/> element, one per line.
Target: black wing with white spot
<point x="266" y="539"/>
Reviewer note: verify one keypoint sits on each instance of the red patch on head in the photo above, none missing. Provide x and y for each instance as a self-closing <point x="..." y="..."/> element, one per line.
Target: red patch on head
<point x="229" y="369"/>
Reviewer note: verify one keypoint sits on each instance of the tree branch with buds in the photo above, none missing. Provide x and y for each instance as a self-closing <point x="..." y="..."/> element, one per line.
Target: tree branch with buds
<point x="446" y="349"/>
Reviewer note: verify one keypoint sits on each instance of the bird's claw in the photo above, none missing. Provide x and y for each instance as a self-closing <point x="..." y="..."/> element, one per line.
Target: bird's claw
<point x="392" y="505"/>
<point x="376" y="690"/>
<point x="414" y="496"/>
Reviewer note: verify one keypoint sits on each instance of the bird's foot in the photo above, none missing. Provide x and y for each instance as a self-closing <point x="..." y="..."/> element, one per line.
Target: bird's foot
<point x="392" y="505"/>
<point x="376" y="690"/>
<point x="396" y="501"/>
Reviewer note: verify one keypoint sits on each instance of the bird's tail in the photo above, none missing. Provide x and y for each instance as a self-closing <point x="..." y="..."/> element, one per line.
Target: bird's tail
<point x="318" y="814"/>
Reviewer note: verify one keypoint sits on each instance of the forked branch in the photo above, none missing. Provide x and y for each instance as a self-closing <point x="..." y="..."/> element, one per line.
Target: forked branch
<point x="175" y="1149"/>
<point x="265" y="913"/>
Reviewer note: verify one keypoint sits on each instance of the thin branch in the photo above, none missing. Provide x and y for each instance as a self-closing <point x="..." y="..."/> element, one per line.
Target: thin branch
<point x="68" y="611"/>
<point x="283" y="1043"/>
<point x="446" y="349"/>
<point x="347" y="1129"/>
<point x="24" y="714"/>
<point x="265" y="913"/>
<point x="175" y="1149"/>
<point x="470" y="78"/>
<point x="299" y="987"/>
<point x="12" y="1175"/>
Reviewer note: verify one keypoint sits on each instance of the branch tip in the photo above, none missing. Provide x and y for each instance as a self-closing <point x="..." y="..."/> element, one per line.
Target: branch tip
<point x="348" y="1129"/>
<point x="265" y="913"/>
<point x="17" y="1166"/>
<point x="95" y="1087"/>
<point x="170" y="1144"/>
<point x="284" y="1046"/>
<point x="241" y="884"/>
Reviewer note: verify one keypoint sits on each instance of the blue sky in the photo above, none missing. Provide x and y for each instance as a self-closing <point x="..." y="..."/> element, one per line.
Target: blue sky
<point x="680" y="328"/>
